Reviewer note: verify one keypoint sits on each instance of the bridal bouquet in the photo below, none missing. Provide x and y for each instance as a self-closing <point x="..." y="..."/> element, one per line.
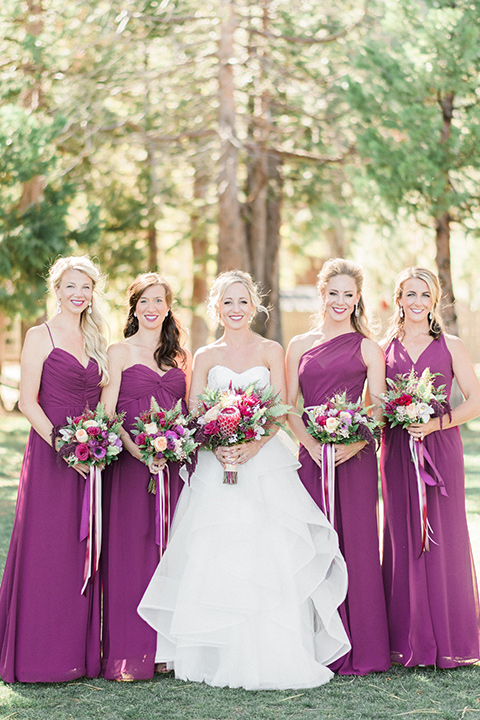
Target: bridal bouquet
<point x="412" y="399"/>
<point x="161" y="433"/>
<point x="93" y="439"/>
<point x="237" y="415"/>
<point x="338" y="421"/>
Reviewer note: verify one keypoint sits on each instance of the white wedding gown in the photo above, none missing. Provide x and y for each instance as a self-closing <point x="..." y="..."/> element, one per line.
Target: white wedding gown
<point x="246" y="594"/>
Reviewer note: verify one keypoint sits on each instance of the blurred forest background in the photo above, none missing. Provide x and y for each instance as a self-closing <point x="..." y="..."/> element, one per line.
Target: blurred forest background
<point x="194" y="136"/>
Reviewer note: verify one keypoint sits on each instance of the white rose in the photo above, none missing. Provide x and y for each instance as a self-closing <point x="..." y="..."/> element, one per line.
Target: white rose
<point x="151" y="428"/>
<point x="81" y="435"/>
<point x="90" y="423"/>
<point x="332" y="424"/>
<point x="212" y="414"/>
<point x="411" y="411"/>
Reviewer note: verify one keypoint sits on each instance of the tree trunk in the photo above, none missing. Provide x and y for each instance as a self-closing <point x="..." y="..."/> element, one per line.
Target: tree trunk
<point x="199" y="240"/>
<point x="232" y="246"/>
<point x="442" y="231"/>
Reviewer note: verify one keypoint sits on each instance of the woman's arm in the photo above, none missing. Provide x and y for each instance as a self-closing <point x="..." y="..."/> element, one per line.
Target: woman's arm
<point x="35" y="350"/>
<point x="295" y="350"/>
<point x="187" y="369"/>
<point x="469" y="385"/>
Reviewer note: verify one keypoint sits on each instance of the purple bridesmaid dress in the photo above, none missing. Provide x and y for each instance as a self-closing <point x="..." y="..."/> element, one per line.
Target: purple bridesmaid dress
<point x="129" y="554"/>
<point x="49" y="631"/>
<point x="432" y="597"/>
<point x="337" y="366"/>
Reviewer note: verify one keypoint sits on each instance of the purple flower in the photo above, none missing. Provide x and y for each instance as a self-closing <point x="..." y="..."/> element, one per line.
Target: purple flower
<point x="94" y="430"/>
<point x="179" y="430"/>
<point x="99" y="453"/>
<point x="93" y="443"/>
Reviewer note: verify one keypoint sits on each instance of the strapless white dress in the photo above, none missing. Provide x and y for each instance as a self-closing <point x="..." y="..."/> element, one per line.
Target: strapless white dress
<point x="246" y="594"/>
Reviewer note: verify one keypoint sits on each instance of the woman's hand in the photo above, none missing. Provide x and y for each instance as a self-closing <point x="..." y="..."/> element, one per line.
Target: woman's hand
<point x="156" y="466"/>
<point x="314" y="449"/>
<point x="345" y="452"/>
<point x="420" y="430"/>
<point x="237" y="454"/>
<point x="82" y="468"/>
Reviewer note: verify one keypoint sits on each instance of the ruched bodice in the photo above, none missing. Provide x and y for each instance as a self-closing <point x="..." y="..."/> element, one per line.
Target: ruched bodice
<point x="140" y="383"/>
<point x="67" y="386"/>
<point x="322" y="369"/>
<point x="220" y="377"/>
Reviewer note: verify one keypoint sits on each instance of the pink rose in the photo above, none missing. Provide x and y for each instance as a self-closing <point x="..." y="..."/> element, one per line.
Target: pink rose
<point x="94" y="430"/>
<point x="82" y="452"/>
<point x="140" y="438"/>
<point x="211" y="428"/>
<point x="249" y="434"/>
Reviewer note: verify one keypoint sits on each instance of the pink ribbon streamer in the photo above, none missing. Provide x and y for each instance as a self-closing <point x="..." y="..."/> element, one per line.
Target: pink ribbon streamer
<point x="91" y="525"/>
<point x="328" y="481"/>
<point x="420" y="454"/>
<point x="162" y="510"/>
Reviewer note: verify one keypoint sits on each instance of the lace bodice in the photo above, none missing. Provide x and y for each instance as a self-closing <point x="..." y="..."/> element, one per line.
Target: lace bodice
<point x="220" y="377"/>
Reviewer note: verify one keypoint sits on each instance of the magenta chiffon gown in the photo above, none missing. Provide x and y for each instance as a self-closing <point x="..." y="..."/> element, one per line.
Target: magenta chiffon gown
<point x="130" y="554"/>
<point x="49" y="631"/>
<point x="337" y="366"/>
<point x="432" y="597"/>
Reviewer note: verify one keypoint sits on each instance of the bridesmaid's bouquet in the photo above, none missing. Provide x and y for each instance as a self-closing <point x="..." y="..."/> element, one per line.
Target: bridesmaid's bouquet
<point x="338" y="421"/>
<point x="161" y="433"/>
<point x="412" y="399"/>
<point x="93" y="439"/>
<point x="237" y="415"/>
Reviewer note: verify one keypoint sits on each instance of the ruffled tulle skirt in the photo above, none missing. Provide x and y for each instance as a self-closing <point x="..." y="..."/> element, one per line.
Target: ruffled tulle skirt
<point x="247" y="592"/>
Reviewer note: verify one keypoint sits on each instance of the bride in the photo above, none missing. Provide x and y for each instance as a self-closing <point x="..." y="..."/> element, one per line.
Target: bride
<point x="246" y="594"/>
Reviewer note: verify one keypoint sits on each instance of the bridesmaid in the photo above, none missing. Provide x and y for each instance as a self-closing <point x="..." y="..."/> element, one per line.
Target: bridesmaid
<point x="149" y="362"/>
<point x="432" y="597"/>
<point x="49" y="631"/>
<point x="336" y="356"/>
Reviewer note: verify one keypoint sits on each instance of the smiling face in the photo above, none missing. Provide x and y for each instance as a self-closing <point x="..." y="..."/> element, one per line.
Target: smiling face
<point x="74" y="291"/>
<point x="152" y="307"/>
<point x="416" y="300"/>
<point x="235" y="307"/>
<point x="339" y="297"/>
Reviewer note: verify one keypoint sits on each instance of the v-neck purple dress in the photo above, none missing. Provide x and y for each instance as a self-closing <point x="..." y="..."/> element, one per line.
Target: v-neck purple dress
<point x="49" y="631"/>
<point x="432" y="597"/>
<point x="130" y="554"/>
<point x="337" y="366"/>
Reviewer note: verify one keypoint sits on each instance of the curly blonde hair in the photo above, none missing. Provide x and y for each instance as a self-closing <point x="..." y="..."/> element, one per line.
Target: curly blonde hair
<point x="92" y="324"/>
<point x="221" y="284"/>
<point x="396" y="326"/>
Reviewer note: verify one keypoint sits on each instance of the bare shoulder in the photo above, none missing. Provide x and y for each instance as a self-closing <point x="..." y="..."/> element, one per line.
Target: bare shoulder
<point x="37" y="338"/>
<point x="455" y="345"/>
<point x="119" y="353"/>
<point x="272" y="348"/>
<point x="206" y="356"/>
<point x="371" y="349"/>
<point x="299" y="344"/>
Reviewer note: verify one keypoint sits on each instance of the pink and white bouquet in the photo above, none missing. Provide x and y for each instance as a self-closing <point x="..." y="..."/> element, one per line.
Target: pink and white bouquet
<point x="340" y="421"/>
<point x="333" y="422"/>
<point x="237" y="415"/>
<point x="161" y="433"/>
<point x="412" y="399"/>
<point x="93" y="439"/>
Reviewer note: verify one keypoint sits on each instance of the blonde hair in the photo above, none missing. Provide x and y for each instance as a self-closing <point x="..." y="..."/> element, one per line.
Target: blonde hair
<point x="339" y="266"/>
<point x="435" y="322"/>
<point x="221" y="284"/>
<point x="92" y="324"/>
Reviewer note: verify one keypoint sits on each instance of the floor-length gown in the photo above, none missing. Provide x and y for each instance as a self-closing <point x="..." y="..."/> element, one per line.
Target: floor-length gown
<point x="337" y="366"/>
<point x="49" y="631"/>
<point x="130" y="554"/>
<point x="247" y="592"/>
<point x="432" y="597"/>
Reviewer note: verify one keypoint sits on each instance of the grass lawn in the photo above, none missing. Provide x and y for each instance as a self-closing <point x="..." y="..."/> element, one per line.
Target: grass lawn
<point x="413" y="694"/>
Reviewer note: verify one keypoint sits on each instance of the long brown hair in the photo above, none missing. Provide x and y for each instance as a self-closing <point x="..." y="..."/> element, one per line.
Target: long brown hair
<point x="169" y="348"/>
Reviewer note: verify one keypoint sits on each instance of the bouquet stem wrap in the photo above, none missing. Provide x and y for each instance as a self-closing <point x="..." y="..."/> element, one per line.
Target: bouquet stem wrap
<point x="162" y="510"/>
<point x="91" y="524"/>
<point x="328" y="481"/>
<point x="419" y="454"/>
<point x="230" y="474"/>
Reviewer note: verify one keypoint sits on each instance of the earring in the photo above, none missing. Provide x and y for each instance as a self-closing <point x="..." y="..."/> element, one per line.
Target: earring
<point x="89" y="309"/>
<point x="134" y="314"/>
<point x="430" y="317"/>
<point x="59" y="306"/>
<point x="357" y="313"/>
<point x="402" y="313"/>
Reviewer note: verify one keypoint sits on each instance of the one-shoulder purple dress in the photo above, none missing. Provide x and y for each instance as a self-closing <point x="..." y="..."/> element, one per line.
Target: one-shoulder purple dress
<point x="432" y="597"/>
<point x="130" y="554"/>
<point x="49" y="631"/>
<point x="337" y="366"/>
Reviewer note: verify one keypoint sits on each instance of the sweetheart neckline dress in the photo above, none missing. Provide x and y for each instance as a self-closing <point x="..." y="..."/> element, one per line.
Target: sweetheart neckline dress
<point x="247" y="592"/>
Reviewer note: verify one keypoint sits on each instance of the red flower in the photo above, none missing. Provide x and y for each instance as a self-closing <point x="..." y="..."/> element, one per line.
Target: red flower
<point x="211" y="428"/>
<point x="249" y="433"/>
<point x="82" y="452"/>
<point x="404" y="399"/>
<point x="94" y="430"/>
<point x="140" y="439"/>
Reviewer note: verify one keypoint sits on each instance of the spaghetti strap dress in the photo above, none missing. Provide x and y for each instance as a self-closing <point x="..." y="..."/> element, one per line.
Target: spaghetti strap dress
<point x="130" y="554"/>
<point x="432" y="596"/>
<point x="49" y="631"/>
<point x="333" y="367"/>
